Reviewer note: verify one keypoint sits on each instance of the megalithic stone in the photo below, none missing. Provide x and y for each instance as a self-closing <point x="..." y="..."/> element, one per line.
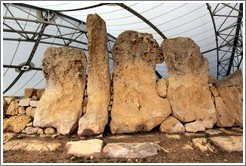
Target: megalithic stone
<point x="188" y="89"/>
<point x="136" y="104"/>
<point x="61" y="103"/>
<point x="98" y="85"/>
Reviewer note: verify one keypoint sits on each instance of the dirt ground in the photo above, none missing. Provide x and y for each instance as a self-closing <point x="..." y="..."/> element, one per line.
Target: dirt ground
<point x="173" y="151"/>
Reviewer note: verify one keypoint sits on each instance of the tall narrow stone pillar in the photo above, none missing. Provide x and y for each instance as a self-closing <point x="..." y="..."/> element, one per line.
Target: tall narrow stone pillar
<point x="61" y="103"/>
<point x="136" y="104"/>
<point x="98" y="86"/>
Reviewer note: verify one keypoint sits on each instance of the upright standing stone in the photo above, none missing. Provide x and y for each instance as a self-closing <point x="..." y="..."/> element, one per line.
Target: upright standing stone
<point x="98" y="85"/>
<point x="231" y="91"/>
<point x="61" y="104"/>
<point x="188" y="90"/>
<point x="136" y="104"/>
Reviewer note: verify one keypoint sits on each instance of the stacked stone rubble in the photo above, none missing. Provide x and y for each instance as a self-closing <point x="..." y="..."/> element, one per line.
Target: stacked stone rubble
<point x="19" y="113"/>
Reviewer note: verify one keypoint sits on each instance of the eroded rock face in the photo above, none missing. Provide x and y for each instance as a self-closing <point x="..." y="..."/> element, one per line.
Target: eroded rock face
<point x="136" y="104"/>
<point x="188" y="90"/>
<point x="161" y="87"/>
<point x="224" y="117"/>
<point x="61" y="104"/>
<point x="98" y="85"/>
<point x="231" y="91"/>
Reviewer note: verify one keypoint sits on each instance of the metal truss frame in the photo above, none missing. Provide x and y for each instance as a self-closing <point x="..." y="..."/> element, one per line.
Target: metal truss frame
<point x="39" y="36"/>
<point x="229" y="38"/>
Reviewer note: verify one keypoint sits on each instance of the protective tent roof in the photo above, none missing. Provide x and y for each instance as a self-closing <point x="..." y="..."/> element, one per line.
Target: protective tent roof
<point x="29" y="29"/>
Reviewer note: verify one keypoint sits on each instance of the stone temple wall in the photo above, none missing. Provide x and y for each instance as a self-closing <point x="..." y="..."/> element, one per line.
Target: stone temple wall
<point x="130" y="100"/>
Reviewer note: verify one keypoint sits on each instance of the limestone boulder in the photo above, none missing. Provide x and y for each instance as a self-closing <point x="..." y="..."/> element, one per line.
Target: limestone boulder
<point x="12" y="108"/>
<point x="61" y="103"/>
<point x="136" y="104"/>
<point x="30" y="130"/>
<point x="161" y="87"/>
<point x="172" y="125"/>
<point x="224" y="117"/>
<point x="131" y="150"/>
<point x="16" y="123"/>
<point x="98" y="85"/>
<point x="194" y="127"/>
<point x="231" y="92"/>
<point x="188" y="90"/>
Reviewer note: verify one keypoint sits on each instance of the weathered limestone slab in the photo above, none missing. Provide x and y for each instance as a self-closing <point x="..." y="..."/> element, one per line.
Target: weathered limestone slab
<point x="136" y="104"/>
<point x="224" y="116"/>
<point x="16" y="123"/>
<point x="131" y="150"/>
<point x="31" y="145"/>
<point x="161" y="87"/>
<point x="12" y="108"/>
<point x="172" y="125"/>
<point x="228" y="143"/>
<point x="188" y="90"/>
<point x="98" y="85"/>
<point x="30" y="130"/>
<point x="84" y="147"/>
<point x="25" y="102"/>
<point x="231" y="91"/>
<point x="34" y="103"/>
<point x="61" y="103"/>
<point x="5" y="106"/>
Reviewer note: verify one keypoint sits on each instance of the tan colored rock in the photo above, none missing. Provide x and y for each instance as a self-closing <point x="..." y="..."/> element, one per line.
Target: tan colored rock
<point x="39" y="93"/>
<point x="34" y="103"/>
<point x="224" y="117"/>
<point x="84" y="147"/>
<point x="30" y="111"/>
<point x="30" y="130"/>
<point x="202" y="144"/>
<point x="25" y="102"/>
<point x="29" y="92"/>
<point x="131" y="150"/>
<point x="194" y="126"/>
<point x="161" y="87"/>
<point x="231" y="91"/>
<point x="188" y="90"/>
<point x="16" y="123"/>
<point x="21" y="110"/>
<point x="214" y="91"/>
<point x="228" y="143"/>
<point x="31" y="145"/>
<point x="61" y="104"/>
<point x="10" y="98"/>
<point x="136" y="104"/>
<point x="8" y="136"/>
<point x="172" y="125"/>
<point x="49" y="131"/>
<point x="12" y="108"/>
<point x="98" y="85"/>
